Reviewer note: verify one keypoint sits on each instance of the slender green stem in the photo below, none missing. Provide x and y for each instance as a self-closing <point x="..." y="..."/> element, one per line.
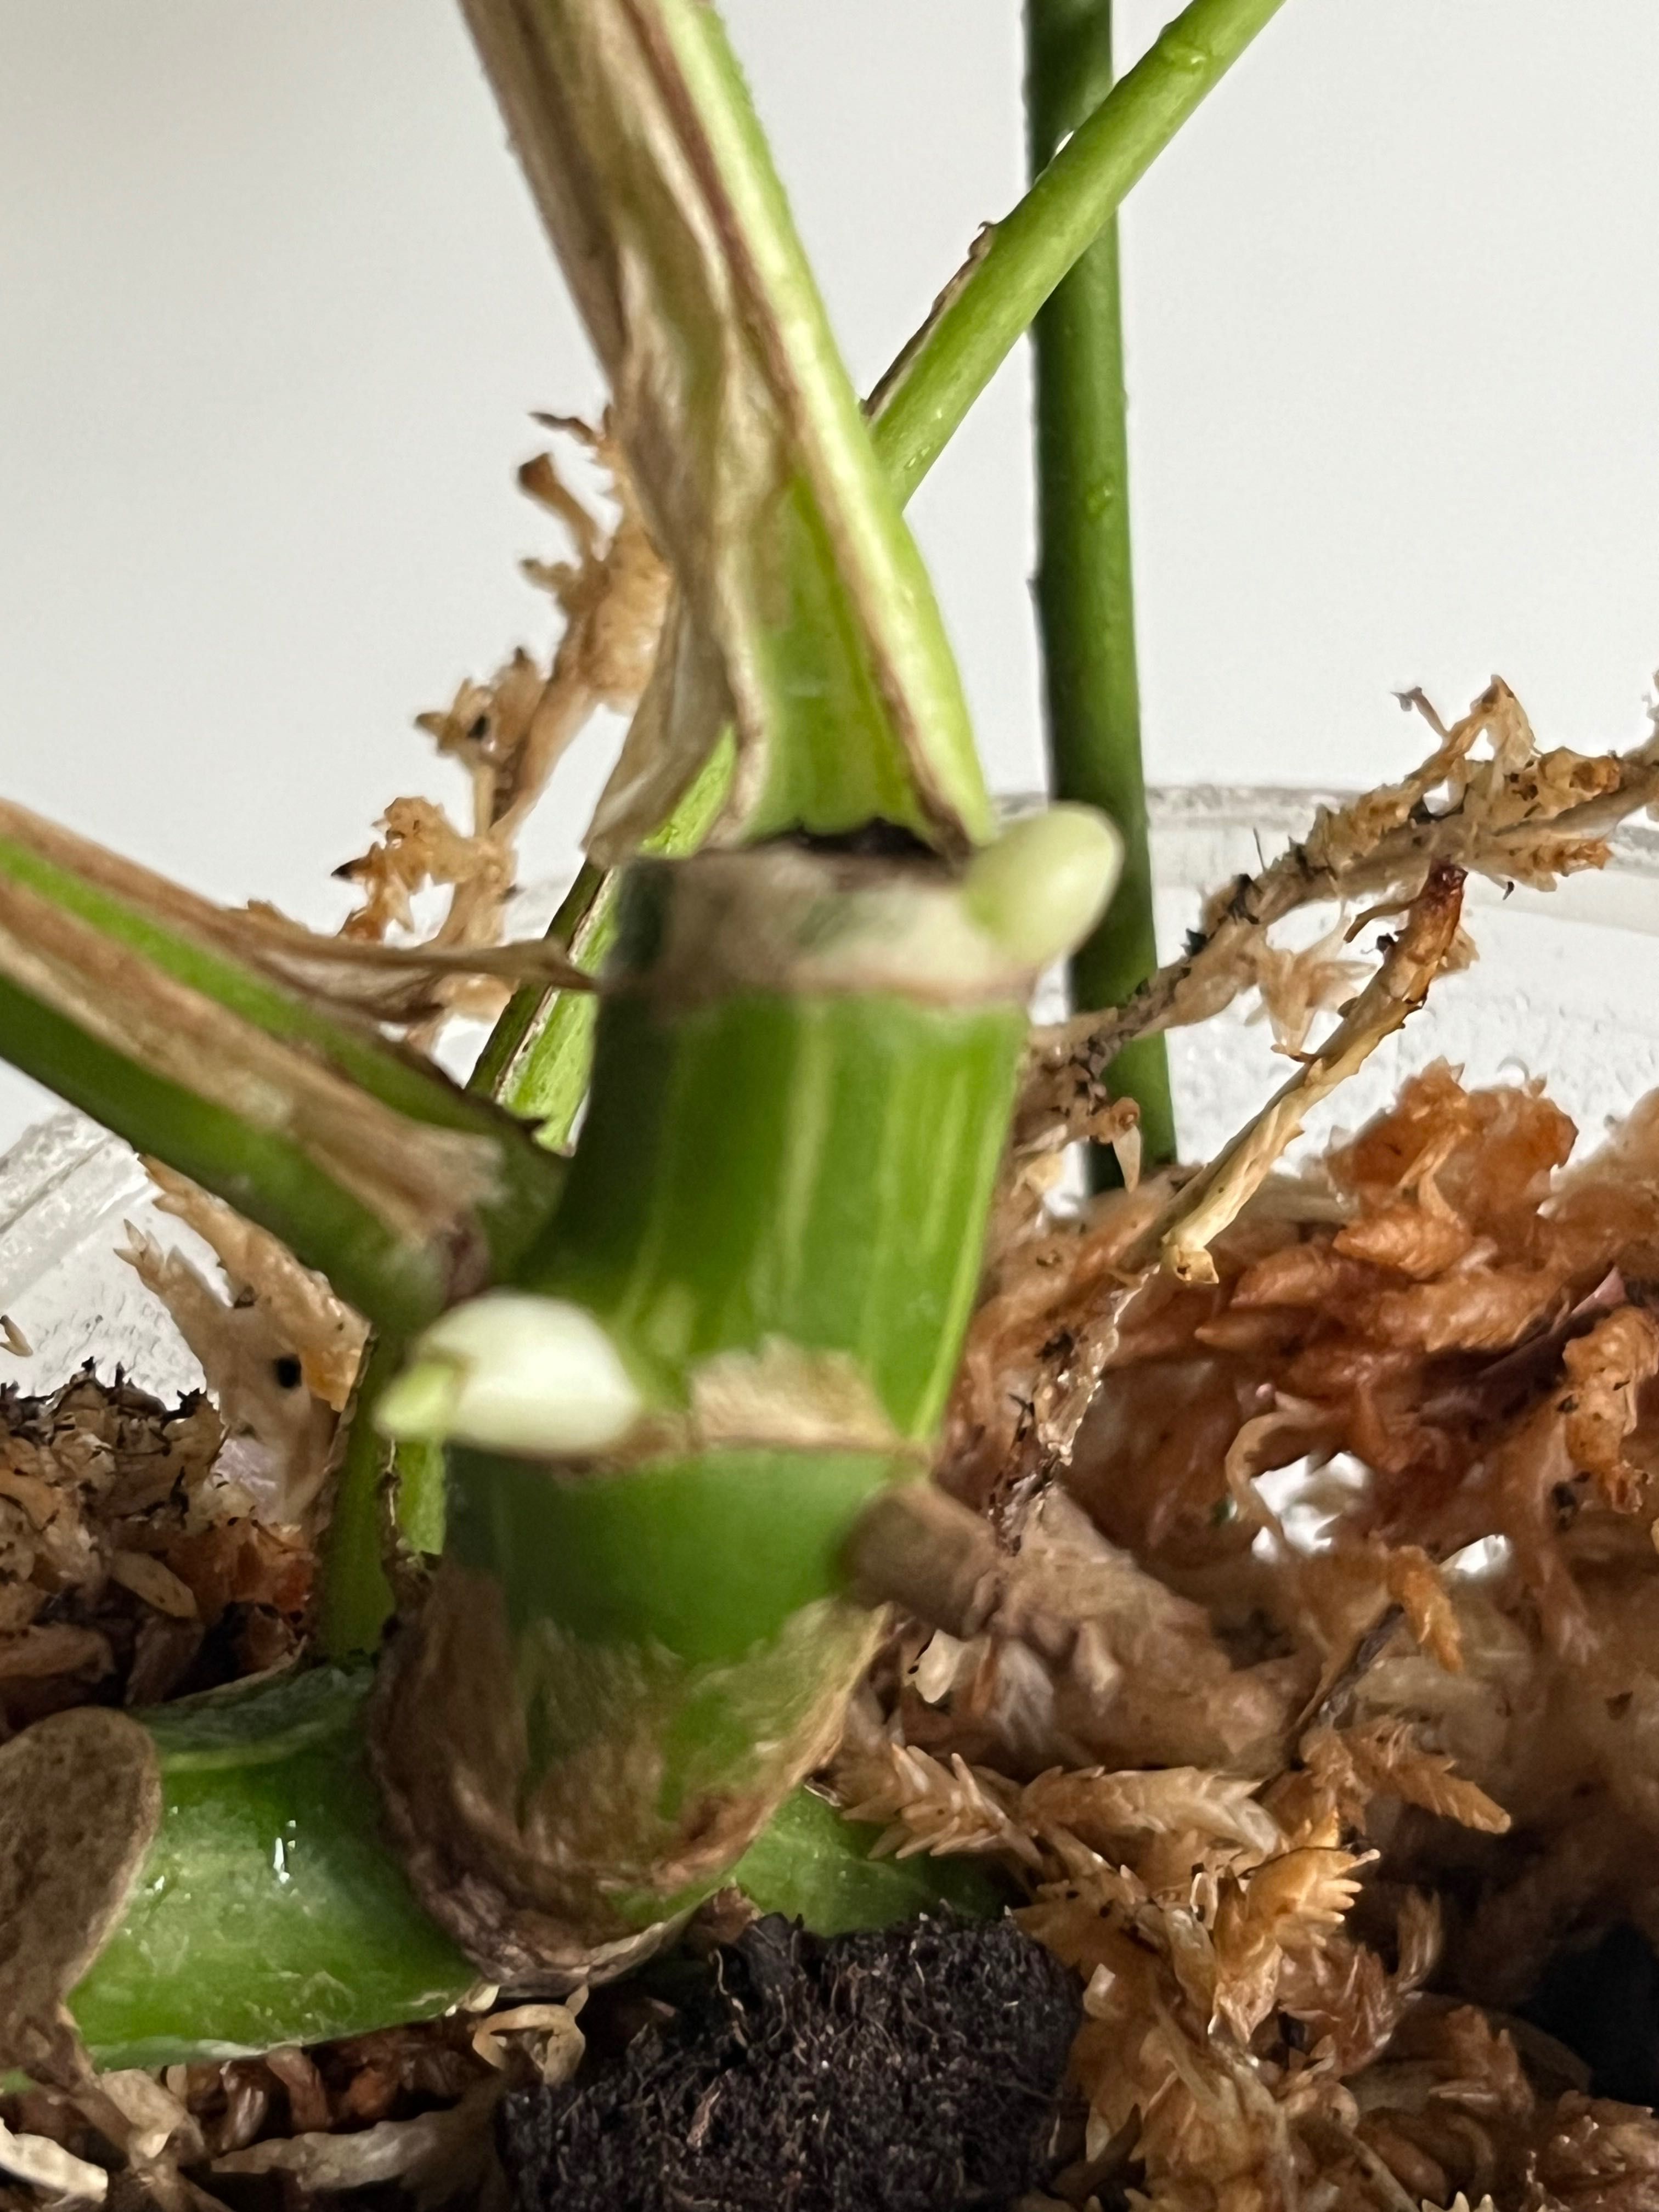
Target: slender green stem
<point x="990" y="304"/>
<point x="539" y="1065"/>
<point x="354" y="1599"/>
<point x="1084" y="585"/>
<point x="537" y="1057"/>
<point x="500" y="1065"/>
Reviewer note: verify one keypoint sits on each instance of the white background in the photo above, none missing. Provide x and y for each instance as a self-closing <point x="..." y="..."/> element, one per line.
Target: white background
<point x="274" y="310"/>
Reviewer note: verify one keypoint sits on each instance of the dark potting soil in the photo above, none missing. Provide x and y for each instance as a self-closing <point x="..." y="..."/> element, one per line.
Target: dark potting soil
<point x="915" y="2069"/>
<point x="1602" y="2001"/>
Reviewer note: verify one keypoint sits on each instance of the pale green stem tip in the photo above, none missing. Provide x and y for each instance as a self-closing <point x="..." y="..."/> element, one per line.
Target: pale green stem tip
<point x="1045" y="883"/>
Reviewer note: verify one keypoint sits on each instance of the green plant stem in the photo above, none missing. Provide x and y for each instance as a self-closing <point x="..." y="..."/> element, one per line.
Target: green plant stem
<point x="536" y="1058"/>
<point x="808" y="612"/>
<point x="261" y="1171"/>
<point x="500" y="1070"/>
<point x="1084" y="585"/>
<point x="354" y="1597"/>
<point x="270" y="1909"/>
<point x="768" y="1170"/>
<point x="981" y="315"/>
<point x="539" y="1066"/>
<point x="155" y="918"/>
<point x="811" y="1865"/>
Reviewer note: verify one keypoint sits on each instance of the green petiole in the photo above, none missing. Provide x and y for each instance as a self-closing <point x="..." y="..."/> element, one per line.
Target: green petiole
<point x="980" y="316"/>
<point x="270" y="1909"/>
<point x="1085" y="579"/>
<point x="119" y="990"/>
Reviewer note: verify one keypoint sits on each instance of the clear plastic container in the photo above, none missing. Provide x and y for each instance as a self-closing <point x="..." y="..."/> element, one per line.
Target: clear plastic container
<point x="1566" y="988"/>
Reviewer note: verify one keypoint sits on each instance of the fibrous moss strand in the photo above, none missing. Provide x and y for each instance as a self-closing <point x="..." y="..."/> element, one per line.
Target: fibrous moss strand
<point x="1085" y="595"/>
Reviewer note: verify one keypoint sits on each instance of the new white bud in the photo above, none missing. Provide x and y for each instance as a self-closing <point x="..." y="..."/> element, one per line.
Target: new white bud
<point x="510" y="1372"/>
<point x="1044" y="885"/>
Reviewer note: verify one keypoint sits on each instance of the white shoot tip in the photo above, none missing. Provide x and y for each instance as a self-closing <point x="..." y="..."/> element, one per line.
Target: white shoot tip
<point x="510" y="1372"/>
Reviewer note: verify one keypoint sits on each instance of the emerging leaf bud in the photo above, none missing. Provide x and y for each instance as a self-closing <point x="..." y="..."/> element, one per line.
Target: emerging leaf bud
<point x="1044" y="884"/>
<point x="513" y="1372"/>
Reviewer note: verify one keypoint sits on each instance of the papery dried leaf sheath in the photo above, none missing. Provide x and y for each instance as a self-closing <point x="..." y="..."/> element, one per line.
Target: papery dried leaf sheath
<point x="743" y="434"/>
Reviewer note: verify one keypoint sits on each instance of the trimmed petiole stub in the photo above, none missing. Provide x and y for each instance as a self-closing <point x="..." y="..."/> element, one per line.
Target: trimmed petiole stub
<point x="740" y="1329"/>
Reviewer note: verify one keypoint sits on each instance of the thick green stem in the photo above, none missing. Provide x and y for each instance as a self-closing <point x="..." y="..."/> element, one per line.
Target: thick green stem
<point x="775" y="1212"/>
<point x="1084" y="587"/>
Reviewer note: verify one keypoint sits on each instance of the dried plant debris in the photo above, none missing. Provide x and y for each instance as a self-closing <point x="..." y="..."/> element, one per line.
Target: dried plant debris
<point x="80" y="1801"/>
<point x="1315" y="1790"/>
<point x="1045" y="1326"/>
<point x="509" y="734"/>
<point x="913" y="2069"/>
<point x="1513" y="813"/>
<point x="405" y="2117"/>
<point x="279" y="1350"/>
<point x="134" y="1563"/>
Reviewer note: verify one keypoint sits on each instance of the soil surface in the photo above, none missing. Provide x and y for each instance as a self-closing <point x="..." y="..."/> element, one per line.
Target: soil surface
<point x="915" y="2069"/>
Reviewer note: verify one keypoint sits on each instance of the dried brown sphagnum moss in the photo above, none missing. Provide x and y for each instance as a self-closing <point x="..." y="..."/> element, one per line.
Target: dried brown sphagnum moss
<point x="131" y="1563"/>
<point x="1515" y="813"/>
<point x="279" y="1350"/>
<point x="1046" y="1327"/>
<point x="1455" y="1320"/>
<point x="509" y="734"/>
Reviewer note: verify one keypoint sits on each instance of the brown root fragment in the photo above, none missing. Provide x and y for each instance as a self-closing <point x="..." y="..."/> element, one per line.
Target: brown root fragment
<point x="1217" y="1195"/>
<point x="1515" y="815"/>
<point x="437" y="2158"/>
<point x="917" y="1548"/>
